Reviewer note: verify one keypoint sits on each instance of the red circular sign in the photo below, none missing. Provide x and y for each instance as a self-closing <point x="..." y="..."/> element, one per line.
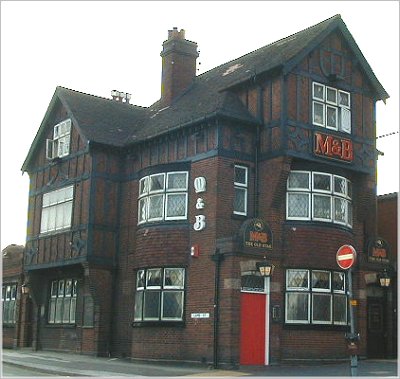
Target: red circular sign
<point x="346" y="256"/>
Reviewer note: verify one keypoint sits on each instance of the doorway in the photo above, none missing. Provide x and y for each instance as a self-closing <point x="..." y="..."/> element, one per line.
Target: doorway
<point x="254" y="320"/>
<point x="376" y="338"/>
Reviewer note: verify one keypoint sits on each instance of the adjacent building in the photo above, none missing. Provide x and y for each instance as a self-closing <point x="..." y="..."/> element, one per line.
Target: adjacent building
<point x="146" y="225"/>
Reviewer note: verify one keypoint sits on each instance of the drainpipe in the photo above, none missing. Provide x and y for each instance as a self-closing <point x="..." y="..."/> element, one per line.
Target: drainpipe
<point x="217" y="258"/>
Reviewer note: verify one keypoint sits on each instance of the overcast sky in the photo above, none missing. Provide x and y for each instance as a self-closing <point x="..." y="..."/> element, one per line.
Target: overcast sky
<point x="95" y="47"/>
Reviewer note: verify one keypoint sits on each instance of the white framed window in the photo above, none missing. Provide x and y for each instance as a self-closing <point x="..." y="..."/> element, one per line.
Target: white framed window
<point x="315" y="297"/>
<point x="331" y="108"/>
<point x="159" y="294"/>
<point x="163" y="196"/>
<point x="62" y="301"/>
<point x="240" y="190"/>
<point x="319" y="196"/>
<point x="57" y="210"/>
<point x="9" y="300"/>
<point x="59" y="146"/>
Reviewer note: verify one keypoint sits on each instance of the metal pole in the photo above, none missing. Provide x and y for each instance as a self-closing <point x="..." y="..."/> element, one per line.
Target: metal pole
<point x="353" y="357"/>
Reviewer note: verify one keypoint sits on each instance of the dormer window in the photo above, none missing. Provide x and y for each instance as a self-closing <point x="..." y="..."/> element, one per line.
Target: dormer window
<point x="58" y="147"/>
<point x="331" y="108"/>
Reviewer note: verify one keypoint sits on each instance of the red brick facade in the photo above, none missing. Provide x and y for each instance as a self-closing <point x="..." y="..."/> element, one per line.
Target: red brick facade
<point x="268" y="133"/>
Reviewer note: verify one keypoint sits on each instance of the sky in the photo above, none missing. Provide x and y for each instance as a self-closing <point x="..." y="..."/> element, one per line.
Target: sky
<point x="97" y="46"/>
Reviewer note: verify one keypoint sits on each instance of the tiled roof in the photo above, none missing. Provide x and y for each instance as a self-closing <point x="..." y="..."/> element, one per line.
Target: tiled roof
<point x="119" y="124"/>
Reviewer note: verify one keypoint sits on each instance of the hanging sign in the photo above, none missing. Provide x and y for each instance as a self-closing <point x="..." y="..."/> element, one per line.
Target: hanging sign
<point x="378" y="251"/>
<point x="256" y="233"/>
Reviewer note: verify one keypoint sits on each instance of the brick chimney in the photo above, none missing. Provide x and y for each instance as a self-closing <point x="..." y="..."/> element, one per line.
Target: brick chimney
<point x="178" y="65"/>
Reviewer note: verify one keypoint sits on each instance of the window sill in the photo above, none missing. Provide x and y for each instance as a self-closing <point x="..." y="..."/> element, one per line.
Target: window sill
<point x="235" y="216"/>
<point x="325" y="327"/>
<point x="55" y="326"/>
<point x="322" y="224"/>
<point x="175" y="324"/>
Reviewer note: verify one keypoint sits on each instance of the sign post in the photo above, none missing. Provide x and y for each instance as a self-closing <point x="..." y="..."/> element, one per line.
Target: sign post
<point x="345" y="258"/>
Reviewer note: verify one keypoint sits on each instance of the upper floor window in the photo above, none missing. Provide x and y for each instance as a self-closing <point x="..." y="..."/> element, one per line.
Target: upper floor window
<point x="240" y="186"/>
<point x="59" y="145"/>
<point x="163" y="196"/>
<point x="62" y="302"/>
<point x="159" y="294"/>
<point x="331" y="108"/>
<point x="319" y="196"/>
<point x="9" y="299"/>
<point x="315" y="297"/>
<point x="57" y="210"/>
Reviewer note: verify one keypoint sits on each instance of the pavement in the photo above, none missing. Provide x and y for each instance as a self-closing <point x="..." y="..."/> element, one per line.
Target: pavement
<point x="68" y="364"/>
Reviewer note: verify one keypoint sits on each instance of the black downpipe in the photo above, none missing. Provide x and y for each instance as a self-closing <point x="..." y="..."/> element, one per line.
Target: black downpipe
<point x="260" y="116"/>
<point x="217" y="258"/>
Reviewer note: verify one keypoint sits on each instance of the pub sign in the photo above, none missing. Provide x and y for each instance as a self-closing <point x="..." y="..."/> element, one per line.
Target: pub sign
<point x="378" y="251"/>
<point x="256" y="233"/>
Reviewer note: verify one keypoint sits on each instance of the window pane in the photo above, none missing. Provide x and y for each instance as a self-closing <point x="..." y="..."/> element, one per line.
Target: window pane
<point x="253" y="283"/>
<point x="172" y="305"/>
<point x="137" y="313"/>
<point x="322" y="308"/>
<point x="153" y="277"/>
<point x="350" y="214"/>
<point x="349" y="189"/>
<point x="318" y="91"/>
<point x="174" y="277"/>
<point x="66" y="310"/>
<point x="331" y="95"/>
<point x="60" y="292"/>
<point x="59" y="304"/>
<point x="68" y="288"/>
<point x="339" y="185"/>
<point x="321" y="182"/>
<point x="331" y="117"/>
<point x="67" y="210"/>
<point x="340" y="309"/>
<point x="299" y="180"/>
<point x="52" y="310"/>
<point x="297" y="307"/>
<point x="156" y="205"/>
<point x="157" y="182"/>
<point x="240" y="200"/>
<point x="318" y="113"/>
<point x="322" y="207"/>
<point x="241" y="175"/>
<point x="140" y="279"/>
<point x="338" y="281"/>
<point x="340" y="207"/>
<point x="321" y="280"/>
<point x="345" y="120"/>
<point x="176" y="205"/>
<point x="151" y="305"/>
<point x="297" y="279"/>
<point x="142" y="209"/>
<point x="54" y="287"/>
<point x="177" y="181"/>
<point x="143" y="186"/>
<point x="298" y="205"/>
<point x="72" y="310"/>
<point x="344" y="99"/>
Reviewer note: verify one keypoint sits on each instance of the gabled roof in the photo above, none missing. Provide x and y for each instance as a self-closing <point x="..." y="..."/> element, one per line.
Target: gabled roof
<point x="119" y="124"/>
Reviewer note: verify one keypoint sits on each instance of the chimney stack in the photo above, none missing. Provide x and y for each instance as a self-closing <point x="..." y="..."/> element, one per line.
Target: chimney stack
<point x="178" y="65"/>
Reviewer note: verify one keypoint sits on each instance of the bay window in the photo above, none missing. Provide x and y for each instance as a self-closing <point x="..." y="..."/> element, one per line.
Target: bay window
<point x="163" y="196"/>
<point x="315" y="297"/>
<point x="159" y="294"/>
<point x="319" y="196"/>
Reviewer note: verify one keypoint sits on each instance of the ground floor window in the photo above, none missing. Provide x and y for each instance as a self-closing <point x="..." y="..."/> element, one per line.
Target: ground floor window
<point x="315" y="297"/>
<point x="62" y="303"/>
<point x="159" y="294"/>
<point x="9" y="299"/>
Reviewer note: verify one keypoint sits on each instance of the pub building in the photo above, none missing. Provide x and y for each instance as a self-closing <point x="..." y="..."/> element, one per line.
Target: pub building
<point x="205" y="227"/>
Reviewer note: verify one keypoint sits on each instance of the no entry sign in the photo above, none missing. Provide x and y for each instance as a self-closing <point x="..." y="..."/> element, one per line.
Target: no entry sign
<point x="346" y="256"/>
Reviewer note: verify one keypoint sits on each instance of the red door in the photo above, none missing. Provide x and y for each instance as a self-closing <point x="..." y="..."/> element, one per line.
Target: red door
<point x="252" y="329"/>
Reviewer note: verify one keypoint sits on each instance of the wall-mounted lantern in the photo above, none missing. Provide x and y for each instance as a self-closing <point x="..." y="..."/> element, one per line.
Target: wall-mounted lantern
<point x="25" y="289"/>
<point x="265" y="268"/>
<point x="384" y="279"/>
